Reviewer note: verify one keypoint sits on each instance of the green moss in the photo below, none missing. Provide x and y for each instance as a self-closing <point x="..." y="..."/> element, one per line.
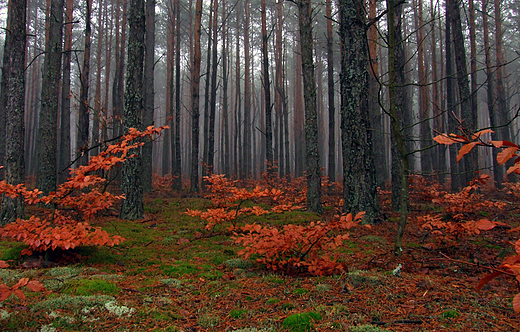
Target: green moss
<point x="72" y="302"/>
<point x="287" y="306"/>
<point x="212" y="275"/>
<point x="272" y="301"/>
<point x="450" y="314"/>
<point x="237" y="313"/>
<point x="11" y="251"/>
<point x="84" y="287"/>
<point x="366" y="328"/>
<point x="179" y="270"/>
<point x="301" y="322"/>
<point x="300" y="291"/>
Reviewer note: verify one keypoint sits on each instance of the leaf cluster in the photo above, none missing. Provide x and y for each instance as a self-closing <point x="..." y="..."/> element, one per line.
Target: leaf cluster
<point x="296" y="247"/>
<point x="6" y="291"/>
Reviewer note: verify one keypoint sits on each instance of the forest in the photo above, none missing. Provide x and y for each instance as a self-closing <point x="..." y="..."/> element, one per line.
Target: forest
<point x="259" y="165"/>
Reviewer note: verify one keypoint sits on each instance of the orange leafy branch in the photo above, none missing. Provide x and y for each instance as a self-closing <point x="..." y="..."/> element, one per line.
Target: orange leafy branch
<point x="65" y="223"/>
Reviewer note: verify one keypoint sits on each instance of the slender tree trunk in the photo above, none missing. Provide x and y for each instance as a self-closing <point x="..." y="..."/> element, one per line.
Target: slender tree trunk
<point x="176" y="167"/>
<point x="450" y="104"/>
<point x="498" y="170"/>
<point x="400" y="146"/>
<point x="207" y="76"/>
<point x="330" y="86"/>
<point x="131" y="185"/>
<point x="97" y="95"/>
<point x="46" y="179"/>
<point x="13" y="76"/>
<point x="65" y="155"/>
<point x="195" y="83"/>
<point x="225" y="106"/>
<point x="118" y="93"/>
<point x="376" y="115"/>
<point x="108" y="60"/>
<point x="359" y="178"/>
<point x="311" y="115"/>
<point x="246" y="159"/>
<point x="148" y="91"/>
<point x="237" y="152"/>
<point x="170" y="63"/>
<point x="279" y="86"/>
<point x="299" y="115"/>
<point x="213" y="92"/>
<point x="469" y="116"/>
<point x="82" y="143"/>
<point x="267" y="92"/>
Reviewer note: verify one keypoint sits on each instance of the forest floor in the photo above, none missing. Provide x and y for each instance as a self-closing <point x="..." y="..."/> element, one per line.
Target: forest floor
<point x="171" y="274"/>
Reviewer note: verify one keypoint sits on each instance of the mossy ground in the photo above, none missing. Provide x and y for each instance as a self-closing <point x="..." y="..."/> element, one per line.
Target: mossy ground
<point x="171" y="274"/>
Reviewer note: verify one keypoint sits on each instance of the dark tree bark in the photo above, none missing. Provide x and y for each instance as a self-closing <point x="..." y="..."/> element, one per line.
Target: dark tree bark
<point x="170" y="63"/>
<point x="330" y="86"/>
<point x="213" y="94"/>
<point x="269" y="156"/>
<point x="279" y="87"/>
<point x="65" y="155"/>
<point x="311" y="115"/>
<point x="399" y="105"/>
<point x="176" y="167"/>
<point x="450" y="105"/>
<point x="395" y="70"/>
<point x="195" y="113"/>
<point x="13" y="81"/>
<point x="468" y="116"/>
<point x="247" y="150"/>
<point x="82" y="142"/>
<point x="299" y="133"/>
<point x="148" y="91"/>
<point x="97" y="96"/>
<point x="225" y="84"/>
<point x="359" y="178"/>
<point x="46" y="178"/>
<point x="207" y="75"/>
<point x="118" y="93"/>
<point x="376" y="114"/>
<point x="109" y="34"/>
<point x="131" y="185"/>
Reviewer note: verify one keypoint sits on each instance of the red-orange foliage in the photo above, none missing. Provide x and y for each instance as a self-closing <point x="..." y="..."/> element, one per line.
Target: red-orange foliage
<point x="6" y="291"/>
<point x="295" y="246"/>
<point x="65" y="223"/>
<point x="510" y="265"/>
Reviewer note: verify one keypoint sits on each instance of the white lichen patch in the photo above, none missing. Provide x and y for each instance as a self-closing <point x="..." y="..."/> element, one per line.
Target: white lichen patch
<point x="118" y="310"/>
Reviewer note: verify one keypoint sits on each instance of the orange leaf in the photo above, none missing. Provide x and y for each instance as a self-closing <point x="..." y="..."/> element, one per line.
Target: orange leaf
<point x="506" y="154"/>
<point x="22" y="282"/>
<point x="446" y="140"/>
<point x="484" y="281"/>
<point x="516" y="304"/>
<point x="465" y="149"/>
<point x="5" y="292"/>
<point x="514" y="169"/>
<point x="485" y="224"/>
<point x="19" y="293"/>
<point x="35" y="286"/>
<point x="3" y="265"/>
<point x="480" y="133"/>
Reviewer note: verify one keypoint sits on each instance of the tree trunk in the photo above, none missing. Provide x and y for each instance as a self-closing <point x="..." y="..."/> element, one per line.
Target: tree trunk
<point x="269" y="156"/>
<point x="359" y="178"/>
<point x="46" y="179"/>
<point x="246" y="159"/>
<point x="299" y="136"/>
<point x="118" y="93"/>
<point x="169" y="107"/>
<point x="148" y="91"/>
<point x="468" y="116"/>
<point x="131" y="185"/>
<point x="14" y="84"/>
<point x="279" y="86"/>
<point x="176" y="167"/>
<point x="225" y="105"/>
<point x="207" y="75"/>
<point x="330" y="86"/>
<point x="394" y="68"/>
<point x="82" y="142"/>
<point x="97" y="95"/>
<point x="376" y="114"/>
<point x="311" y="116"/>
<point x="65" y="155"/>
<point x="195" y="83"/>
<point x="213" y="94"/>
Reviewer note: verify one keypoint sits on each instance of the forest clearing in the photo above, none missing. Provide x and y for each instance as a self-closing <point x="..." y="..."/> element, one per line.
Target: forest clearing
<point x="181" y="270"/>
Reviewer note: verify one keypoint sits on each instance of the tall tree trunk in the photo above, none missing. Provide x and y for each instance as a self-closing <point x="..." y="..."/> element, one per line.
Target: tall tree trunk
<point x="426" y="135"/>
<point x="267" y="92"/>
<point x="376" y="114"/>
<point x="455" y="177"/>
<point x="395" y="70"/>
<point x="82" y="142"/>
<point x="498" y="170"/>
<point x="469" y="116"/>
<point x="131" y="184"/>
<point x="330" y="86"/>
<point x="13" y="76"/>
<point x="46" y="179"/>
<point x="207" y="75"/>
<point x="176" y="167"/>
<point x="299" y="132"/>
<point x="399" y="104"/>
<point x="118" y="93"/>
<point x="237" y="138"/>
<point x="65" y="155"/>
<point x="195" y="113"/>
<point x="225" y="105"/>
<point x="246" y="159"/>
<point x="279" y="85"/>
<point x="311" y="116"/>
<point x="213" y="94"/>
<point x="109" y="33"/>
<point x="170" y="63"/>
<point x="359" y="178"/>
<point x="97" y="95"/>
<point x="148" y="90"/>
